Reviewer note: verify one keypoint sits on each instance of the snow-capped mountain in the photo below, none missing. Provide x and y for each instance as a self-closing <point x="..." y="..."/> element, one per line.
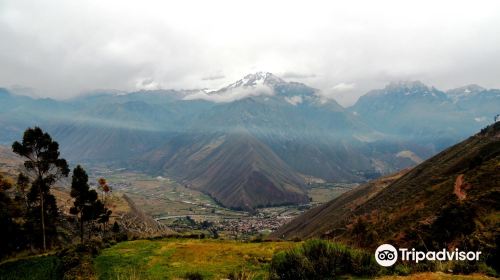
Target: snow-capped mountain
<point x="483" y="104"/>
<point x="267" y="86"/>
<point x="464" y="92"/>
<point x="416" y="110"/>
<point x="255" y="79"/>
<point x="407" y="89"/>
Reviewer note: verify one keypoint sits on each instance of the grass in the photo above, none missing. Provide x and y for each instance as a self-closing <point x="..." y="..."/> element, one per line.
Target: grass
<point x="174" y="258"/>
<point x="437" y="276"/>
<point x="40" y="268"/>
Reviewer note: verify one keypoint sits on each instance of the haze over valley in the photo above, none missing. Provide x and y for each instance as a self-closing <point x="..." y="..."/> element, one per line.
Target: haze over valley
<point x="262" y="140"/>
<point x="255" y="142"/>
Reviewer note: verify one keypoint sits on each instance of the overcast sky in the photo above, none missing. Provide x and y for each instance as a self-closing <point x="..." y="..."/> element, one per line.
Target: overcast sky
<point x="63" y="48"/>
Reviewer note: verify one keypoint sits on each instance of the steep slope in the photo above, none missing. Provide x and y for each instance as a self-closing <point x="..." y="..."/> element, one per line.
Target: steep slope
<point x="83" y="142"/>
<point x="235" y="169"/>
<point x="322" y="219"/>
<point x="451" y="199"/>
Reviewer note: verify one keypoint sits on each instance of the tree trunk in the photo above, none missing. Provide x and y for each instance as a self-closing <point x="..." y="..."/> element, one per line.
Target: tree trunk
<point x="81" y="227"/>
<point x="43" y="219"/>
<point x="90" y="228"/>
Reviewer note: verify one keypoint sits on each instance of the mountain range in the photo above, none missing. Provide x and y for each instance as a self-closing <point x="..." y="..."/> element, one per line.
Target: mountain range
<point x="449" y="201"/>
<point x="251" y="143"/>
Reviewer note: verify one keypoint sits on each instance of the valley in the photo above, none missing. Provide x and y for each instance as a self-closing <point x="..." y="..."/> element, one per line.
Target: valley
<point x="170" y="202"/>
<point x="252" y="140"/>
<point x="242" y="177"/>
<point x="253" y="150"/>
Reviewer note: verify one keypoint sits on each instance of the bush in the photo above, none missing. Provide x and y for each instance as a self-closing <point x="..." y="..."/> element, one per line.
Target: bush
<point x="122" y="236"/>
<point x="484" y="268"/>
<point x="193" y="276"/>
<point x="289" y="265"/>
<point x="44" y="267"/>
<point x="402" y="269"/>
<point x="465" y="267"/>
<point x="319" y="259"/>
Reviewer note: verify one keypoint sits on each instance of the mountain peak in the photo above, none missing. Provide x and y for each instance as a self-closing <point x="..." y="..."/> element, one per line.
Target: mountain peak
<point x="466" y="90"/>
<point x="408" y="89"/>
<point x="407" y="85"/>
<point x="255" y="79"/>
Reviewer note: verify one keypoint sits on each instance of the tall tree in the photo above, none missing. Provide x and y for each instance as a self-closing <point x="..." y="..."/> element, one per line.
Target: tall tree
<point x="7" y="224"/>
<point x="22" y="189"/>
<point x="45" y="168"/>
<point x="86" y="206"/>
<point x="85" y="198"/>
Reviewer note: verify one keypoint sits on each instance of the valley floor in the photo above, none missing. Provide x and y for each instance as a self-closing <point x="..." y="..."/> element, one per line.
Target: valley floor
<point x="170" y="202"/>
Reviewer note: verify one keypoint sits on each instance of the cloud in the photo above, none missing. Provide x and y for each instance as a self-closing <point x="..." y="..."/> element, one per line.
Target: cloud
<point x="294" y="100"/>
<point x="147" y="84"/>
<point x="341" y="92"/>
<point x="213" y="78"/>
<point x="341" y="87"/>
<point x="62" y="48"/>
<point x="231" y="95"/>
<point x="295" y="75"/>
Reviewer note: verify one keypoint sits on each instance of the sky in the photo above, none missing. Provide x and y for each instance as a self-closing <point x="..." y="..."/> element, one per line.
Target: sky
<point x="61" y="49"/>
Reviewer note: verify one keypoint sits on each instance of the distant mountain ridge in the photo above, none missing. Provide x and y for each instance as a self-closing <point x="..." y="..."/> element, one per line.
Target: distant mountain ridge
<point x="426" y="114"/>
<point x="286" y="129"/>
<point x="450" y="200"/>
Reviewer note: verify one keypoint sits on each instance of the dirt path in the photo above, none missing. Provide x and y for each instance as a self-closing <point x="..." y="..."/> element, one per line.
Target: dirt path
<point x="459" y="185"/>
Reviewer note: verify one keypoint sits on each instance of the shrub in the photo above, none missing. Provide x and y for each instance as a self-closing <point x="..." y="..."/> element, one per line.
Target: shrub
<point x="455" y="220"/>
<point x="193" y="276"/>
<point x="289" y="265"/>
<point x="319" y="259"/>
<point x="465" y="267"/>
<point x="484" y="268"/>
<point x="44" y="267"/>
<point x="402" y="269"/>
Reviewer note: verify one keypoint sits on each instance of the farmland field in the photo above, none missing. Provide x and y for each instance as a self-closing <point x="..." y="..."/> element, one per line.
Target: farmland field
<point x="170" y="202"/>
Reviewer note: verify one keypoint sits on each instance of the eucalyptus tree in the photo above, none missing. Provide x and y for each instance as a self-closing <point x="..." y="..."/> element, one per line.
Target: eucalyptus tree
<point x="44" y="168"/>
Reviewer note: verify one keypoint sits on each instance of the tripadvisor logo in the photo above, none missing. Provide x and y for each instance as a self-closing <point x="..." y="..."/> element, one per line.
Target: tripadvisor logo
<point x="387" y="255"/>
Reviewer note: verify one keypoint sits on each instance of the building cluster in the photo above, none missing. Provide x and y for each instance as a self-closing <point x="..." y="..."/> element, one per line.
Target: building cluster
<point x="252" y="225"/>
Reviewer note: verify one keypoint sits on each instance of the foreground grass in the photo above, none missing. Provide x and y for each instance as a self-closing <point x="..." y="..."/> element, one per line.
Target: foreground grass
<point x="40" y="268"/>
<point x="174" y="258"/>
<point x="437" y="276"/>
